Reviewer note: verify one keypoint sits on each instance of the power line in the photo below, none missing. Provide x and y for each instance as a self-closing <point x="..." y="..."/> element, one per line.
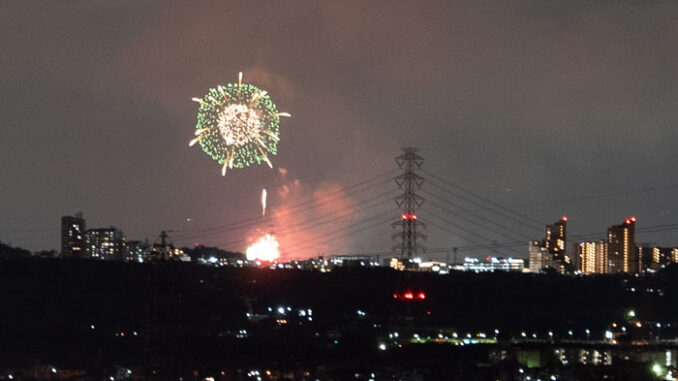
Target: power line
<point x="511" y="244"/>
<point x="302" y="206"/>
<point x="481" y="236"/>
<point x="480" y="225"/>
<point x="603" y="195"/>
<point x="483" y="198"/>
<point x="487" y="220"/>
<point x="305" y="224"/>
<point x="331" y="236"/>
<point x="487" y="208"/>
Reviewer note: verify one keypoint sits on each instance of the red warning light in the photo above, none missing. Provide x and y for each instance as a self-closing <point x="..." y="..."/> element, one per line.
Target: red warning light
<point x="405" y="216"/>
<point x="563" y="218"/>
<point x="410" y="296"/>
<point x="633" y="219"/>
<point x="627" y="221"/>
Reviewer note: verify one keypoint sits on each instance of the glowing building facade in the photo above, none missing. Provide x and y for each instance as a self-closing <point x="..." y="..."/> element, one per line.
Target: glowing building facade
<point x="550" y="252"/>
<point x="621" y="247"/>
<point x="539" y="256"/>
<point x="653" y="258"/>
<point x="491" y="264"/>
<point x="138" y="251"/>
<point x="555" y="242"/>
<point x="106" y="243"/>
<point x="73" y="236"/>
<point x="593" y="257"/>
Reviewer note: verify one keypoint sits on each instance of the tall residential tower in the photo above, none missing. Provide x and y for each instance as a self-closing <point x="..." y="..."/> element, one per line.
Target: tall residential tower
<point x="73" y="236"/>
<point x="621" y="247"/>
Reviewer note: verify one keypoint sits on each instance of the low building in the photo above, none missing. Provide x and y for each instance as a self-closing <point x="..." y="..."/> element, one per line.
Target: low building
<point x="138" y="251"/>
<point x="493" y="264"/>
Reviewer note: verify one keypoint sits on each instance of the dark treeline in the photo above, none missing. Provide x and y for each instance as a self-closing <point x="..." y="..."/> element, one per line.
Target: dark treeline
<point x="83" y="314"/>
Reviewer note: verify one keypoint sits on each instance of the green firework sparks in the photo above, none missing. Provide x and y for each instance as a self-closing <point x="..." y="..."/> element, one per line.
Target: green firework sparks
<point x="238" y="125"/>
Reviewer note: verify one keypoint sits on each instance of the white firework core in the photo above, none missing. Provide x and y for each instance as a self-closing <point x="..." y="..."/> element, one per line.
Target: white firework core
<point x="239" y="124"/>
<point x="264" y="249"/>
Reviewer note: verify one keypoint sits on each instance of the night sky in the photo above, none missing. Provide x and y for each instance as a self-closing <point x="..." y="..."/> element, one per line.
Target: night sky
<point x="546" y="108"/>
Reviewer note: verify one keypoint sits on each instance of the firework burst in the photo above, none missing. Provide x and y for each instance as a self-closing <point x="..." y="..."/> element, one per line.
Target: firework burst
<point x="238" y="125"/>
<point x="265" y="249"/>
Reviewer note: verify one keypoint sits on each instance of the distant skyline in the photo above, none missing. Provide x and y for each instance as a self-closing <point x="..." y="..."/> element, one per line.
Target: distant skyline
<point x="544" y="108"/>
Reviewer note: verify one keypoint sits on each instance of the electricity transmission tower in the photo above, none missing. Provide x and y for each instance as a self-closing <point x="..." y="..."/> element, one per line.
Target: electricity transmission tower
<point x="409" y="202"/>
<point x="163" y="251"/>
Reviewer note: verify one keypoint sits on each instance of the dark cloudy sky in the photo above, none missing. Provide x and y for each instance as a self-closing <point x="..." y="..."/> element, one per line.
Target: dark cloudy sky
<point x="543" y="107"/>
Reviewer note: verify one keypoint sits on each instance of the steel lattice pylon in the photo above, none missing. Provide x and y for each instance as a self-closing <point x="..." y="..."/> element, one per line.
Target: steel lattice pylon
<point x="409" y="202"/>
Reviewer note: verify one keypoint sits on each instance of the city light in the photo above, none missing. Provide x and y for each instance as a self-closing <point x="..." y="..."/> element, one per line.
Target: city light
<point x="657" y="369"/>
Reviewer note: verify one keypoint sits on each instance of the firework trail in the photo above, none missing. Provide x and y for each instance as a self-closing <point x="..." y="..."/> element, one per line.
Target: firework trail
<point x="263" y="202"/>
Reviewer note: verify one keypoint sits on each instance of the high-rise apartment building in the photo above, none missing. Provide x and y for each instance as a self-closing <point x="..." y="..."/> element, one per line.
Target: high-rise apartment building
<point x="650" y="258"/>
<point x="592" y="257"/>
<point x="539" y="256"/>
<point x="555" y="241"/>
<point x="550" y="252"/>
<point x="621" y="247"/>
<point x="106" y="243"/>
<point x="73" y="236"/>
<point x="654" y="258"/>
